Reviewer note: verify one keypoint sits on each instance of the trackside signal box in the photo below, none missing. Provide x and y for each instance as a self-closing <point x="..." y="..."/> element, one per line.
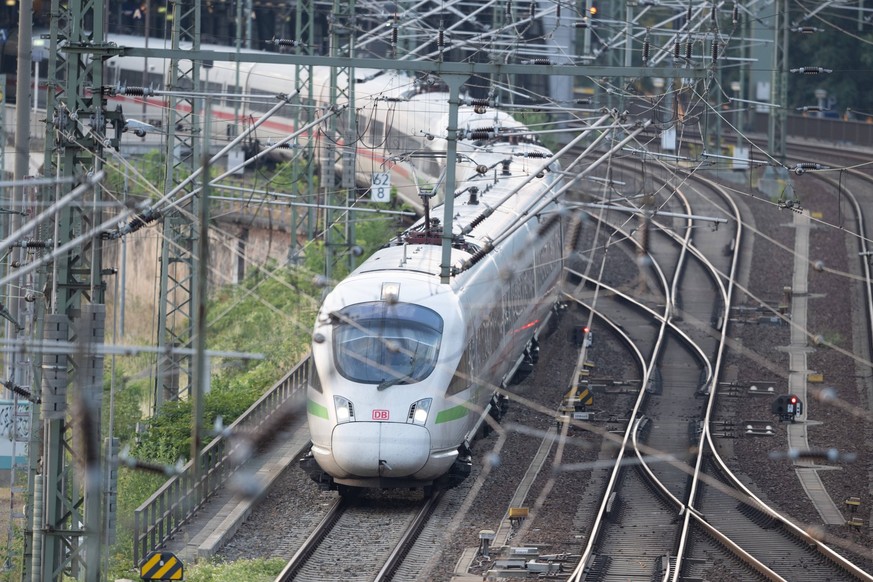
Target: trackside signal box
<point x="787" y="407"/>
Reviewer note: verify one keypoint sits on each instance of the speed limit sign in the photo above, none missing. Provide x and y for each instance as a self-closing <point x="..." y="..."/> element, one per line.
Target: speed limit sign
<point x="380" y="187"/>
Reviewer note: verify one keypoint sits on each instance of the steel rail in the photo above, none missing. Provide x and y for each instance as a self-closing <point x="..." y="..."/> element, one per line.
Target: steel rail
<point x="309" y="546"/>
<point x="400" y="551"/>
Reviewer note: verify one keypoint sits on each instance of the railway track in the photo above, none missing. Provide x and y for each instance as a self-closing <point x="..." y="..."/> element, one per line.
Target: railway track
<point x="624" y="564"/>
<point x="705" y="539"/>
<point x="361" y="538"/>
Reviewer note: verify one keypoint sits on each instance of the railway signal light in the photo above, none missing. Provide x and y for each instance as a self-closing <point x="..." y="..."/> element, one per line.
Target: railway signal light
<point x="787" y="407"/>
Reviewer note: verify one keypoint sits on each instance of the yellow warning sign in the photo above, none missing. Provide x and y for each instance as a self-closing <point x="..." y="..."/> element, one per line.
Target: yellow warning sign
<point x="161" y="566"/>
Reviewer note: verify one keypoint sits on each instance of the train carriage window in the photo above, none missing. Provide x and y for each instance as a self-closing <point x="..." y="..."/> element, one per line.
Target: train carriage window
<point x="462" y="377"/>
<point x="263" y="103"/>
<point x="184" y="84"/>
<point x="314" y="379"/>
<point x="215" y="90"/>
<point x="231" y="99"/>
<point x="386" y="344"/>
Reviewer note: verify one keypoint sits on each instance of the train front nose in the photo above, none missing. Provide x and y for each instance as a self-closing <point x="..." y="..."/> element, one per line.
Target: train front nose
<point x="380" y="449"/>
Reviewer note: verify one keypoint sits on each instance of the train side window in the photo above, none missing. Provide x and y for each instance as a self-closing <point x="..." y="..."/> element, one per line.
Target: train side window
<point x="461" y="380"/>
<point x="262" y="104"/>
<point x="314" y="379"/>
<point x="232" y="92"/>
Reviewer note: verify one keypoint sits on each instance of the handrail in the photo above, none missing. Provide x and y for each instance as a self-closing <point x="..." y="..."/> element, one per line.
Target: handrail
<point x="162" y="514"/>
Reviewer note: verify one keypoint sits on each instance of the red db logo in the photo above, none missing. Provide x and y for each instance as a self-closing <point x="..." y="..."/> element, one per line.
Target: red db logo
<point x="380" y="415"/>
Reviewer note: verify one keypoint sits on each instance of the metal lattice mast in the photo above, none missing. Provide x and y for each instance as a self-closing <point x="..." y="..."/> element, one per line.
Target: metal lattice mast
<point x="341" y="131"/>
<point x="779" y="116"/>
<point x="303" y="171"/>
<point x="67" y="506"/>
<point x="178" y="261"/>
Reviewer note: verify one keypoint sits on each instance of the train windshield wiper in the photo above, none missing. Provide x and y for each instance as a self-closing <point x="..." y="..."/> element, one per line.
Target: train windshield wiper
<point x="392" y="382"/>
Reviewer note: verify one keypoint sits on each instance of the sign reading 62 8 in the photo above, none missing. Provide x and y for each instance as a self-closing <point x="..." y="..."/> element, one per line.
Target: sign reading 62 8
<point x="380" y="187"/>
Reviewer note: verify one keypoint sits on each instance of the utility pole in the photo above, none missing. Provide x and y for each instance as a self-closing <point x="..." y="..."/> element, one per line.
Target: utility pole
<point x="303" y="172"/>
<point x="178" y="261"/>
<point x="776" y="180"/>
<point x="338" y="147"/>
<point x="67" y="511"/>
<point x="13" y="369"/>
<point x="779" y="113"/>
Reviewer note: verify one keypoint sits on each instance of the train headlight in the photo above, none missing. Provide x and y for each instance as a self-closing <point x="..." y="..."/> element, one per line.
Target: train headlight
<point x="345" y="410"/>
<point x="419" y="410"/>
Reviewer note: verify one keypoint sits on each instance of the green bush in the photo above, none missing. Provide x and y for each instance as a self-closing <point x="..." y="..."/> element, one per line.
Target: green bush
<point x="249" y="570"/>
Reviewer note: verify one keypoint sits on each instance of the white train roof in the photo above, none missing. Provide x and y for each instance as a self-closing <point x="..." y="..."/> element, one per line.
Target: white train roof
<point x="417" y="251"/>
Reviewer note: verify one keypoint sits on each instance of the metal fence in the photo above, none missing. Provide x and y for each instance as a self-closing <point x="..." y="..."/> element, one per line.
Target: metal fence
<point x="162" y="514"/>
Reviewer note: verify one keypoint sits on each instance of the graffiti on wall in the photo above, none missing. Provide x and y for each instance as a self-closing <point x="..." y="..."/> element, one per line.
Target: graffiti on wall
<point x="11" y="424"/>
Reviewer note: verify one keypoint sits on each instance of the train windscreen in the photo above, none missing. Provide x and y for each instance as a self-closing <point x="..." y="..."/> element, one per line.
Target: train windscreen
<point x="386" y="343"/>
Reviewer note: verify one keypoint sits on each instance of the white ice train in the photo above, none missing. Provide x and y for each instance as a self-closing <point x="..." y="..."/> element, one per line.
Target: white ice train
<point x="405" y="367"/>
<point x="395" y="115"/>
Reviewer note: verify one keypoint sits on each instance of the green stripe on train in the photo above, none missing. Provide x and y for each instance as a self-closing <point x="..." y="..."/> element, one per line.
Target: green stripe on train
<point x="453" y="413"/>
<point x="316" y="409"/>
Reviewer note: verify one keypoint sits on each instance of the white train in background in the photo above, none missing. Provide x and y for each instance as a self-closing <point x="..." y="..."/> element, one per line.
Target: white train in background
<point x="399" y="121"/>
<point x="406" y="368"/>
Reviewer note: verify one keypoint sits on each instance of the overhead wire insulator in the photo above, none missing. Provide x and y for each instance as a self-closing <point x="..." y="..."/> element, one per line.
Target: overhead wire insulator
<point x="735" y="14"/>
<point x="478" y="255"/>
<point x="33" y="244"/>
<point x="479" y="135"/>
<point x="477" y="221"/>
<point x="646" y="48"/>
<point x="715" y="48"/>
<point x="537" y="62"/>
<point x="532" y="10"/>
<point x="688" y="46"/>
<point x="676" y="50"/>
<point x="285" y="42"/>
<point x="23" y="392"/>
<point x="137" y="222"/>
<point x="811" y="70"/>
<point x="802" y="167"/>
<point x="135" y="91"/>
